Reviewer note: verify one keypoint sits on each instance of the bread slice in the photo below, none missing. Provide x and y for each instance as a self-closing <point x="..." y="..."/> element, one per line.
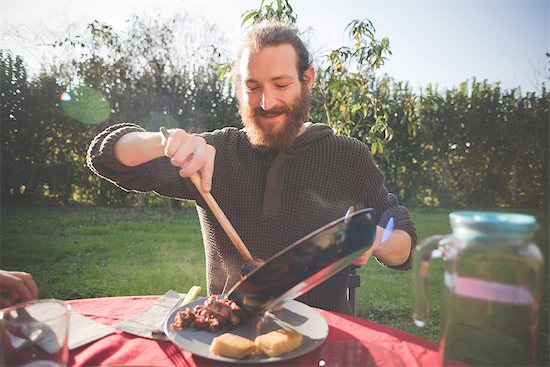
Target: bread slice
<point x="278" y="342"/>
<point x="232" y="346"/>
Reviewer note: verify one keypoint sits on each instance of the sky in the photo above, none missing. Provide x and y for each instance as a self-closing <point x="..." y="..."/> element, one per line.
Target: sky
<point x="438" y="42"/>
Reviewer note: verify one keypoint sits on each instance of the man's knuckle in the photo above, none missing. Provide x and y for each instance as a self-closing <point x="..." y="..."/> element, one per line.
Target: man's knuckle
<point x="201" y="160"/>
<point x="178" y="133"/>
<point x="176" y="161"/>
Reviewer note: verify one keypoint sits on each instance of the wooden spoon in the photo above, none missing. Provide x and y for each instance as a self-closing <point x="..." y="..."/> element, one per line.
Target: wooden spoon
<point x="218" y="213"/>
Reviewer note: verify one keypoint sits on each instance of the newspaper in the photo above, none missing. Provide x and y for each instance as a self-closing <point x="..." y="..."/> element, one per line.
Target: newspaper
<point x="149" y="323"/>
<point x="83" y="330"/>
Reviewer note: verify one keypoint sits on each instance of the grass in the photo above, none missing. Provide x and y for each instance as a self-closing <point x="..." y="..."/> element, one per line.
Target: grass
<point x="97" y="252"/>
<point x="83" y="252"/>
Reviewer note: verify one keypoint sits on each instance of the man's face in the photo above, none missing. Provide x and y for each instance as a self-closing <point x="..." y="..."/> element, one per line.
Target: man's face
<point x="273" y="102"/>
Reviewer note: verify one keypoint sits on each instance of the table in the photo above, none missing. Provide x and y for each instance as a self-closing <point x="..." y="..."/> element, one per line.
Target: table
<point x="388" y="347"/>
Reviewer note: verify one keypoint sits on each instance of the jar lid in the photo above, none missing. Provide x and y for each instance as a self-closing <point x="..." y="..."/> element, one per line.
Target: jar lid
<point x="492" y="223"/>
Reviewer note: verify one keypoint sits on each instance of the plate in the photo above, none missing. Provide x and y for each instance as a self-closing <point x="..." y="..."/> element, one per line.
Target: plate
<point x="299" y="316"/>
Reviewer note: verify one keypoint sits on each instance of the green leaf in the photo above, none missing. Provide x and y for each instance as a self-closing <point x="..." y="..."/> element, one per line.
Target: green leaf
<point x="251" y="13"/>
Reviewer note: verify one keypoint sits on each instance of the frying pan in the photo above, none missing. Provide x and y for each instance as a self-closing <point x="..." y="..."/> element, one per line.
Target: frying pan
<point x="306" y="263"/>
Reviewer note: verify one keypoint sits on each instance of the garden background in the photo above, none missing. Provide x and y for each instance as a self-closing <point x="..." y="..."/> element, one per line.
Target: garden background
<point x="477" y="146"/>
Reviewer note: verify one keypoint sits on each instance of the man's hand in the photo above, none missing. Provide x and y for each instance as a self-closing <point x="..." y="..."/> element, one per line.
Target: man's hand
<point x="191" y="154"/>
<point x="16" y="285"/>
<point x="393" y="252"/>
<point x="188" y="152"/>
<point x="363" y="259"/>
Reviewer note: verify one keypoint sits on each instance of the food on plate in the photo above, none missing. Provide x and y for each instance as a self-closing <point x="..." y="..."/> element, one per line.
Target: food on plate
<point x="278" y="342"/>
<point x="272" y="344"/>
<point x="212" y="315"/>
<point x="232" y="346"/>
<point x="192" y="293"/>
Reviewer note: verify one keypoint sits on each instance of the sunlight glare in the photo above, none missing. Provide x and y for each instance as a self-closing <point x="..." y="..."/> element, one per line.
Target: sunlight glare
<point x="387" y="231"/>
<point x="66" y="97"/>
<point x="86" y="105"/>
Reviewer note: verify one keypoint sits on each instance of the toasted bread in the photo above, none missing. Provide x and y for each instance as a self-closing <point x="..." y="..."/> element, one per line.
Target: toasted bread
<point x="278" y="342"/>
<point x="232" y="346"/>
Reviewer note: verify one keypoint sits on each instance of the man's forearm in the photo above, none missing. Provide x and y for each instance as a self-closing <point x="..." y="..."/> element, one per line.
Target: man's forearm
<point x="395" y="251"/>
<point x="136" y="148"/>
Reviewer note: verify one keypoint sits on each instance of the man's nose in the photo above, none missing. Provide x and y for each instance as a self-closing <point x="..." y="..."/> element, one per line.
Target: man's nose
<point x="268" y="100"/>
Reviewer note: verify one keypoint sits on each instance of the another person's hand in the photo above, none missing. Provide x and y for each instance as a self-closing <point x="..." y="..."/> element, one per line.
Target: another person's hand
<point x="16" y="285"/>
<point x="192" y="154"/>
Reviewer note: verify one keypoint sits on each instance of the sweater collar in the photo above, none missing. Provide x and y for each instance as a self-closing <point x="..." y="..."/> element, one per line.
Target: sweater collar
<point x="276" y="176"/>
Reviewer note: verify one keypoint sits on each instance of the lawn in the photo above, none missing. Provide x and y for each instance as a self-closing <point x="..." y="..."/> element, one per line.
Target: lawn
<point x="82" y="252"/>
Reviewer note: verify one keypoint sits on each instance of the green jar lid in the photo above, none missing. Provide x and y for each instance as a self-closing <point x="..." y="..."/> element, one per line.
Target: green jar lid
<point x="476" y="223"/>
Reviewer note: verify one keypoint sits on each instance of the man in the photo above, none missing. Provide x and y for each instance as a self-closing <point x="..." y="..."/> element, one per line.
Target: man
<point x="277" y="180"/>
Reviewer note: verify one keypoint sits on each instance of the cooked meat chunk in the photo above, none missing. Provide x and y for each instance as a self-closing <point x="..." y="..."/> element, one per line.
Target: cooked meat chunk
<point x="212" y="315"/>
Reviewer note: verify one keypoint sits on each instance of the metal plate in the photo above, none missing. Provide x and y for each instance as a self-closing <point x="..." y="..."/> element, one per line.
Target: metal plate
<point x="299" y="316"/>
<point x="306" y="263"/>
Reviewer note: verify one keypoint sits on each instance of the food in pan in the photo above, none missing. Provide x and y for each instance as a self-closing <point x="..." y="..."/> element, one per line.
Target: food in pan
<point x="278" y="342"/>
<point x="212" y="315"/>
<point x="232" y="346"/>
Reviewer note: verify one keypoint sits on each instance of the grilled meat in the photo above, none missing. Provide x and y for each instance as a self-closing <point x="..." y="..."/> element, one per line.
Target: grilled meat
<point x="212" y="315"/>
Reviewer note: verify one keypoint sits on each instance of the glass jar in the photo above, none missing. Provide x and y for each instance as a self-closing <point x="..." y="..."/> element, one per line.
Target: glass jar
<point x="492" y="288"/>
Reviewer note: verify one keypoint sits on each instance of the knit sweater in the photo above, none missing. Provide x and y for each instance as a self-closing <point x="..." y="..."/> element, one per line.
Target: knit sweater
<point x="272" y="198"/>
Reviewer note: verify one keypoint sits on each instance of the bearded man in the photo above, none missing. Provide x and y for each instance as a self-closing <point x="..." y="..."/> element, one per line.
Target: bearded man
<point x="277" y="179"/>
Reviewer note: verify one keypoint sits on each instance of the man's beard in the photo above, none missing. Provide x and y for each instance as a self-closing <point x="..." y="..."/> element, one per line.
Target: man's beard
<point x="261" y="134"/>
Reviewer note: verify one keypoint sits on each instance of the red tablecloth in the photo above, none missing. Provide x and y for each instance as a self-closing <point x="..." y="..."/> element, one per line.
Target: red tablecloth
<point x="387" y="346"/>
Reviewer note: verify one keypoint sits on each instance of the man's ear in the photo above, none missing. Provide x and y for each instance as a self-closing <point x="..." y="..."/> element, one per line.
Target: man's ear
<point x="309" y="77"/>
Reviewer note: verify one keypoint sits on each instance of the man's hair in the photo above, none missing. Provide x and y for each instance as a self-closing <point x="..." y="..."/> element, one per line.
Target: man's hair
<point x="273" y="34"/>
